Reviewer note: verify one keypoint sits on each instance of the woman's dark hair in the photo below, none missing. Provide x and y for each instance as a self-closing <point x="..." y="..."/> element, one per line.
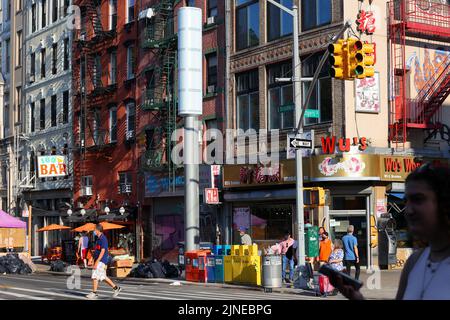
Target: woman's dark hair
<point x="438" y="178"/>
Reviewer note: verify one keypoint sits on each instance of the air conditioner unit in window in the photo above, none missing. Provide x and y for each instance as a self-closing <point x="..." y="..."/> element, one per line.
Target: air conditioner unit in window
<point x="87" y="191"/>
<point x="211" y="89"/>
<point x="211" y="20"/>
<point x="130" y="134"/>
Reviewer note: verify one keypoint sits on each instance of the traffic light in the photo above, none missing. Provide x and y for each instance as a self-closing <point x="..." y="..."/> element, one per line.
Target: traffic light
<point x="361" y="59"/>
<point x="352" y="58"/>
<point x="314" y="196"/>
<point x="337" y="58"/>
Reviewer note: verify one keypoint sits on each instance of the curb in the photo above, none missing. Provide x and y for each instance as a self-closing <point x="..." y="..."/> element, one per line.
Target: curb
<point x="183" y="282"/>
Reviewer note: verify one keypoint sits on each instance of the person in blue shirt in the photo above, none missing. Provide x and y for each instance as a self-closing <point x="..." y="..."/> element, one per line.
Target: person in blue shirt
<point x="101" y="257"/>
<point x="351" y="254"/>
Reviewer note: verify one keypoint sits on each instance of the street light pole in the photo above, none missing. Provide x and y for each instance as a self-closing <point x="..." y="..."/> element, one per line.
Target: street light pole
<point x="297" y="72"/>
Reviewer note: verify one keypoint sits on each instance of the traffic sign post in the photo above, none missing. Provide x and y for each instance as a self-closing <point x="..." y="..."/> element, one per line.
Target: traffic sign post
<point x="303" y="142"/>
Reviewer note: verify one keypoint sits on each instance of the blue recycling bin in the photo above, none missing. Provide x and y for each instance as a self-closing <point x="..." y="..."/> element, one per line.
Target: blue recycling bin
<point x="220" y="270"/>
<point x="217" y="250"/>
<point x="226" y="250"/>
<point x="211" y="268"/>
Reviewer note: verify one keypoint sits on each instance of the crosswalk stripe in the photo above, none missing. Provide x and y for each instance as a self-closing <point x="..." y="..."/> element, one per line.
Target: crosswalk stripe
<point x="209" y="295"/>
<point x="49" y="293"/>
<point x="18" y="295"/>
<point x="145" y="295"/>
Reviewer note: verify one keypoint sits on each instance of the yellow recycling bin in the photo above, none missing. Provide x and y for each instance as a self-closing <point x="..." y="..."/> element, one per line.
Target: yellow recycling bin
<point x="228" y="269"/>
<point x="253" y="250"/>
<point x="237" y="269"/>
<point x="244" y="250"/>
<point x="235" y="250"/>
<point x="251" y="270"/>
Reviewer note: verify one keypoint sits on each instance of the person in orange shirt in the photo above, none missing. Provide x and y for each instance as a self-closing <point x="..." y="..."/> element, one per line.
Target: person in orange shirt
<point x="325" y="248"/>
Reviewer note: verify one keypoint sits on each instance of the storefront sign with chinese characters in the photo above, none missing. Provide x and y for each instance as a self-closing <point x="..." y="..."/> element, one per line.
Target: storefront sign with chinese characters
<point x="367" y="95"/>
<point x="366" y="22"/>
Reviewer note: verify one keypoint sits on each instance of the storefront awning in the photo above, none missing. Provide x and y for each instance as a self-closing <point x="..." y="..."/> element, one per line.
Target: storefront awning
<point x="260" y="195"/>
<point x="398" y="195"/>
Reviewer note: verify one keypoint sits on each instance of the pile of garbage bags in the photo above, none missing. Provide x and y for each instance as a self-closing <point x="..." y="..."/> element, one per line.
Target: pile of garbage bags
<point x="58" y="266"/>
<point x="155" y="269"/>
<point x="12" y="264"/>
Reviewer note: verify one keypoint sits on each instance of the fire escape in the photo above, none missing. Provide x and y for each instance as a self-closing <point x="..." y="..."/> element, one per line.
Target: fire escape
<point x="420" y="19"/>
<point x="88" y="87"/>
<point x="160" y="95"/>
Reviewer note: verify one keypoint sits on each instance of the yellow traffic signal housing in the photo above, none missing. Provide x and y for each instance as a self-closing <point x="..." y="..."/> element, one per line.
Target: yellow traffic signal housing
<point x="314" y="197"/>
<point x="362" y="59"/>
<point x="352" y="58"/>
<point x="337" y="58"/>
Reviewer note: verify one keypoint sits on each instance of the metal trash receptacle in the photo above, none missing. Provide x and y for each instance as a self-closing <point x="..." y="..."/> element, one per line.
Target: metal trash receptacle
<point x="271" y="272"/>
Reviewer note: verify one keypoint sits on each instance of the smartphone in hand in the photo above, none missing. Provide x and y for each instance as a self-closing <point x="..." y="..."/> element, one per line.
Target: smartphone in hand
<point x="326" y="270"/>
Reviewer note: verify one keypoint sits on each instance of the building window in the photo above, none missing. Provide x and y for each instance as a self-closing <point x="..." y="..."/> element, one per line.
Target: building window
<point x="43" y="63"/>
<point x="125" y="182"/>
<point x="247" y="23"/>
<point x="113" y="68"/>
<point x="66" y="54"/>
<point x="247" y="100"/>
<point x="55" y="11"/>
<point x="19" y="48"/>
<point x="150" y="143"/>
<point x="113" y="124"/>
<point x="32" y="161"/>
<point x="19" y="5"/>
<point x="82" y="127"/>
<point x="211" y="61"/>
<point x="279" y="22"/>
<point x="19" y="105"/>
<point x="32" y="117"/>
<point x="321" y="98"/>
<point x="131" y="120"/>
<point x="54" y="58"/>
<point x="42" y="115"/>
<point x="97" y="126"/>
<point x="53" y="110"/>
<point x="281" y="113"/>
<point x="66" y="6"/>
<point x="315" y="13"/>
<point x="8" y="55"/>
<point x="6" y="120"/>
<point x="66" y="106"/>
<point x="32" y="67"/>
<point x="44" y="13"/>
<point x="87" y="182"/>
<point x="8" y="10"/>
<point x="112" y="14"/>
<point x="130" y="11"/>
<point x="97" y="71"/>
<point x="33" y="17"/>
<point x="212" y="8"/>
<point x="83" y="74"/>
<point x="190" y="3"/>
<point x="130" y="62"/>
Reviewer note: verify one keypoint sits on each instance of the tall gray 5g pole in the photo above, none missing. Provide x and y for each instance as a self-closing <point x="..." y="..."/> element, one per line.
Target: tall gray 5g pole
<point x="190" y="92"/>
<point x="297" y="68"/>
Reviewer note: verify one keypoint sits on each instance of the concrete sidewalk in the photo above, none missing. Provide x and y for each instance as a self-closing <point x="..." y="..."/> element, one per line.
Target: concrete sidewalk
<point x="383" y="286"/>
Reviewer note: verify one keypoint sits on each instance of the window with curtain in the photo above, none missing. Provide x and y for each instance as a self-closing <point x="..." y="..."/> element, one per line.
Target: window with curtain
<point x="247" y="104"/>
<point x="279" y="23"/>
<point x="212" y="8"/>
<point x="130" y="62"/>
<point x="281" y="108"/>
<point x="315" y="13"/>
<point x="211" y="61"/>
<point x="131" y="120"/>
<point x="247" y="23"/>
<point x="113" y="14"/>
<point x="130" y="11"/>
<point x="321" y="98"/>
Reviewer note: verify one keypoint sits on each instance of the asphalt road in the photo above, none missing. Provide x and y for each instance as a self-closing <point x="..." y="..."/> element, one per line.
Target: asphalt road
<point x="51" y="287"/>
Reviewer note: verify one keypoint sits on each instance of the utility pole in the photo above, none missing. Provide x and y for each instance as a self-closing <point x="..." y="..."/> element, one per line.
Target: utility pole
<point x="190" y="89"/>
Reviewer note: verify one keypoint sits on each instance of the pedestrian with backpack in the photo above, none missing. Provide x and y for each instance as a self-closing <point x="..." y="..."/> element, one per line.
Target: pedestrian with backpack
<point x="102" y="257"/>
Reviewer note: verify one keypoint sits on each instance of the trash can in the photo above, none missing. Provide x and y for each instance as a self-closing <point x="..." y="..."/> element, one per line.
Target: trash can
<point x="312" y="241"/>
<point x="271" y="272"/>
<point x="181" y="262"/>
<point x="220" y="269"/>
<point x="227" y="250"/>
<point x="210" y="269"/>
<point x="217" y="250"/>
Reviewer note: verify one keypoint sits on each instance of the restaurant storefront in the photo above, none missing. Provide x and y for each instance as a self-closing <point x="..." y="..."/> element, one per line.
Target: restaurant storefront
<point x="358" y="184"/>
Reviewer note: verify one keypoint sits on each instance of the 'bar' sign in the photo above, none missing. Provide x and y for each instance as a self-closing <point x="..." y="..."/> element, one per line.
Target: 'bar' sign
<point x="52" y="166"/>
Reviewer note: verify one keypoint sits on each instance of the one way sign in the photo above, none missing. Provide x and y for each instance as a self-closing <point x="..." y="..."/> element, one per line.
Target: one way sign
<point x="300" y="143"/>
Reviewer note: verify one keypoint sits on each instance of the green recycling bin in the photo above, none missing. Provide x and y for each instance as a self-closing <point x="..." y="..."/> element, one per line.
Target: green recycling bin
<point x="312" y="241"/>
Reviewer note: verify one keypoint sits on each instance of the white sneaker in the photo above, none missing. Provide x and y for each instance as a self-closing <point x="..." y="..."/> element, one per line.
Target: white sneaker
<point x="92" y="296"/>
<point x="116" y="292"/>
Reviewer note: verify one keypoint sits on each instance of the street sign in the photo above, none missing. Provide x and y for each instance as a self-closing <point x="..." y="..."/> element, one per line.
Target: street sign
<point x="311" y="113"/>
<point x="215" y="170"/>
<point x="304" y="142"/>
<point x="286" y="108"/>
<point x="300" y="143"/>
<point x="211" y="195"/>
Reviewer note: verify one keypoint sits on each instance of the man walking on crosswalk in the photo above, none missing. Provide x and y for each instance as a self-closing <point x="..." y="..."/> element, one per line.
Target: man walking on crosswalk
<point x="101" y="257"/>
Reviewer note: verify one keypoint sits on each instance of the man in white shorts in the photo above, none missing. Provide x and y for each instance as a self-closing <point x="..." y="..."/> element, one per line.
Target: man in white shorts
<point x="101" y="260"/>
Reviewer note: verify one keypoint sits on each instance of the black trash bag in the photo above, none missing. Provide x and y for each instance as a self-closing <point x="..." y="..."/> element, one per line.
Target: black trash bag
<point x="171" y="270"/>
<point x="13" y="263"/>
<point x="157" y="269"/>
<point x="3" y="269"/>
<point x="142" y="271"/>
<point x="57" y="266"/>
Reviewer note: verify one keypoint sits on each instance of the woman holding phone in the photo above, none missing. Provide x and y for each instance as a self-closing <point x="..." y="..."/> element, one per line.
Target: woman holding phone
<point x="426" y="273"/>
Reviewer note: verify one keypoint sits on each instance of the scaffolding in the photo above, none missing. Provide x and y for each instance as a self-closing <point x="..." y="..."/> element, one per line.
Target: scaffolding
<point x="423" y="19"/>
<point x="160" y="97"/>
